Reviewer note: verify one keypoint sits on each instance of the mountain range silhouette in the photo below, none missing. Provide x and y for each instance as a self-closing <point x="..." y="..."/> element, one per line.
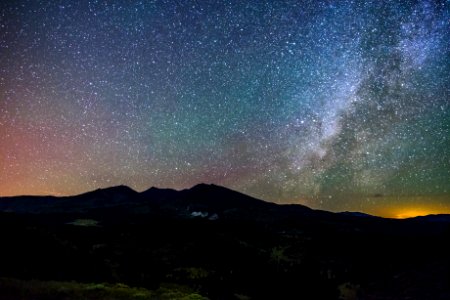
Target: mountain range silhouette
<point x="209" y="198"/>
<point x="215" y="242"/>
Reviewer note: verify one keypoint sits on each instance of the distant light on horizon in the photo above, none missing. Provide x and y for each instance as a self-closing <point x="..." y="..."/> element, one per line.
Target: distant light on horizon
<point x="412" y="213"/>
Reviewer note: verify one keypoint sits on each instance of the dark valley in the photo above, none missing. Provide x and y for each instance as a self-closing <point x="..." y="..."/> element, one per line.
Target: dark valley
<point x="212" y="242"/>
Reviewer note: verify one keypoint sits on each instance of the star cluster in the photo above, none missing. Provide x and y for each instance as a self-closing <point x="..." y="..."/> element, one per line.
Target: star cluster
<point x="339" y="105"/>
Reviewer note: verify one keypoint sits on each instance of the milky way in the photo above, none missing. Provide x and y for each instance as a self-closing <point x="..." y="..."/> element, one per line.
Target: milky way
<point x="339" y="105"/>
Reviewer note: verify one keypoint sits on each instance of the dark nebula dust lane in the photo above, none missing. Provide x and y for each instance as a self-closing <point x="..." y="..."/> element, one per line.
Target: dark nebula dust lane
<point x="339" y="105"/>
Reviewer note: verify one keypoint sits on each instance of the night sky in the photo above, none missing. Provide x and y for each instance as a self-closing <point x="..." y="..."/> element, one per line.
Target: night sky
<point x="338" y="105"/>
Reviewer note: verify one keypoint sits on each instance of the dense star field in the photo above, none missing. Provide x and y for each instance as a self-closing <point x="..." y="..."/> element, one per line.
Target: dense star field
<point x="338" y="105"/>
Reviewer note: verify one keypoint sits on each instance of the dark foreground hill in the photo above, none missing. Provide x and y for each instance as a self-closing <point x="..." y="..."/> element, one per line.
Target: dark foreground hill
<point x="209" y="241"/>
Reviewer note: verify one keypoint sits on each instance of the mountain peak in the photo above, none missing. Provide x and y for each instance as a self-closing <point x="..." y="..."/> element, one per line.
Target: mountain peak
<point x="121" y="188"/>
<point x="114" y="189"/>
<point x="207" y="186"/>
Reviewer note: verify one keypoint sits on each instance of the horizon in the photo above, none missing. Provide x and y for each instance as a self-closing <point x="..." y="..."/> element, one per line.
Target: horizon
<point x="336" y="105"/>
<point x="392" y="212"/>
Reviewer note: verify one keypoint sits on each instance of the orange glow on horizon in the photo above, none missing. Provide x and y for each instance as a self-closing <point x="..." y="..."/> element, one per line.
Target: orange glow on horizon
<point x="411" y="213"/>
<point x="412" y="206"/>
